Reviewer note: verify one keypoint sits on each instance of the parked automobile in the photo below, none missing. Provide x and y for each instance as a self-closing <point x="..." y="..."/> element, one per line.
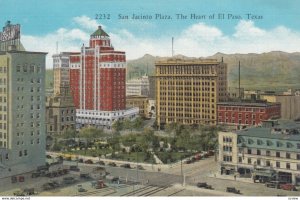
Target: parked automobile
<point x="126" y="165"/>
<point x="48" y="156"/>
<point x="188" y="161"/>
<point x="288" y="186"/>
<point x="274" y="184"/>
<point x="80" y="160"/>
<point x="100" y="162"/>
<point x="140" y="167"/>
<point x="193" y="159"/>
<point x="69" y="180"/>
<point x="85" y="176"/>
<point x="74" y="168"/>
<point x="112" y="164"/>
<point x="80" y="189"/>
<point x="35" y="174"/>
<point x="232" y="190"/>
<point x="201" y="184"/>
<point x="89" y="161"/>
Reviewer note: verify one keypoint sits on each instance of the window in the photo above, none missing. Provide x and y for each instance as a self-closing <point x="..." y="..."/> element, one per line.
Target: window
<point x="259" y="142"/>
<point x="278" y="164"/>
<point x="20" y="153"/>
<point x="298" y="156"/>
<point x="258" y="152"/>
<point x="288" y="155"/>
<point x="240" y="159"/>
<point x="268" y="164"/>
<point x="298" y="145"/>
<point x="278" y="154"/>
<point x="18" y="68"/>
<point x="249" y="151"/>
<point x="25" y="152"/>
<point x="249" y="160"/>
<point x="268" y="153"/>
<point x="258" y="162"/>
<point x="298" y="166"/>
<point x="288" y="165"/>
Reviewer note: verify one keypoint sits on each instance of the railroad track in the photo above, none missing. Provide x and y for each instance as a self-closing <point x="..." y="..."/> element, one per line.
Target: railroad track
<point x="175" y="192"/>
<point x="156" y="190"/>
<point x="99" y="191"/>
<point x="138" y="190"/>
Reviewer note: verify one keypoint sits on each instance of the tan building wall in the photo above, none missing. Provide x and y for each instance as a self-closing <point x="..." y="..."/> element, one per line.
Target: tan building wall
<point x="187" y="91"/>
<point x="139" y="101"/>
<point x="290" y="105"/>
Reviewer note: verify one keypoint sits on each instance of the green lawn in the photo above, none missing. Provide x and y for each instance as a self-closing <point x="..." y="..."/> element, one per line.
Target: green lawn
<point x="171" y="157"/>
<point x="91" y="152"/>
<point x="133" y="157"/>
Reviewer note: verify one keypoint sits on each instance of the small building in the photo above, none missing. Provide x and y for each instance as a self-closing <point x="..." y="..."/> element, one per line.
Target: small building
<point x="139" y="86"/>
<point x="138" y="101"/>
<point x="244" y="114"/>
<point x="60" y="112"/>
<point x="235" y="93"/>
<point x="259" y="151"/>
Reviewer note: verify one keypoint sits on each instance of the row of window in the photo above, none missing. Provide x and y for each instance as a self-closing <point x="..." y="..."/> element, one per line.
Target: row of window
<point x="268" y="163"/>
<point x="270" y="143"/>
<point x="268" y="153"/>
<point x="26" y="68"/>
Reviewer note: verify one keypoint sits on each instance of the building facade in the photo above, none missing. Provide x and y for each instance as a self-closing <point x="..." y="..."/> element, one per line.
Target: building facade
<point x="290" y="104"/>
<point x="97" y="81"/>
<point x="60" y="108"/>
<point x="187" y="91"/>
<point x="274" y="148"/>
<point x="235" y="93"/>
<point x="139" y="87"/>
<point x="141" y="102"/>
<point x="22" y="111"/>
<point x="244" y="114"/>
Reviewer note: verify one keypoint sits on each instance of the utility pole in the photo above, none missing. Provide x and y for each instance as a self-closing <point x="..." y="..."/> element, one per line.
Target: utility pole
<point x="181" y="171"/>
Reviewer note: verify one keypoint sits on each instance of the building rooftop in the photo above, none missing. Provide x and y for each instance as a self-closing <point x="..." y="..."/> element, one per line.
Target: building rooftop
<point x="285" y="130"/>
<point x="250" y="104"/>
<point x="100" y="32"/>
<point x="180" y="61"/>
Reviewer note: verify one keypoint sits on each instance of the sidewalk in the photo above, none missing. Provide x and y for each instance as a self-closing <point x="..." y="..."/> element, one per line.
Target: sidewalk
<point x="230" y="177"/>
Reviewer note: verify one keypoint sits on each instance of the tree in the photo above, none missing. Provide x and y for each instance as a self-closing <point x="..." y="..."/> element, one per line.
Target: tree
<point x="127" y="124"/>
<point x="137" y="123"/>
<point x="118" y="125"/>
<point x="70" y="134"/>
<point x="90" y="134"/>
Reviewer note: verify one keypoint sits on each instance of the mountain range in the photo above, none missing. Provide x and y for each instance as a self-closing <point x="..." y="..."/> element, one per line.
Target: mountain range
<point x="274" y="70"/>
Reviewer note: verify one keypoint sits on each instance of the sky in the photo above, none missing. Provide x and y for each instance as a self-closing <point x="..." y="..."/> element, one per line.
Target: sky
<point x="197" y="25"/>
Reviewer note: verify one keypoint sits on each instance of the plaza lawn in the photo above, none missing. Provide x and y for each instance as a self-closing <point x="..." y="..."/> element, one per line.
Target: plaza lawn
<point x="133" y="156"/>
<point x="171" y="157"/>
<point x="91" y="152"/>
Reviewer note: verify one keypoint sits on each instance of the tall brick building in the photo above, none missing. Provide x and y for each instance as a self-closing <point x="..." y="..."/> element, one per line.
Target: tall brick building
<point x="97" y="81"/>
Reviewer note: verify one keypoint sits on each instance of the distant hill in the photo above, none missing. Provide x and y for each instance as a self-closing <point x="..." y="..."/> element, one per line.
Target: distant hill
<point x="273" y="70"/>
<point x="266" y="71"/>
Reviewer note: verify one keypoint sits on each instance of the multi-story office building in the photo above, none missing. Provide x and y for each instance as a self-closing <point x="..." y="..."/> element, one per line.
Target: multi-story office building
<point x="152" y="87"/>
<point x="274" y="147"/>
<point x="97" y="81"/>
<point x="22" y="110"/>
<point x="139" y="86"/>
<point x="187" y="91"/>
<point x="243" y="114"/>
<point x="60" y="108"/>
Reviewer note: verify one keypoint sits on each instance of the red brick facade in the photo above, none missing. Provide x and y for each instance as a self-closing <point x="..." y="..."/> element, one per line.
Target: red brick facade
<point x="246" y="114"/>
<point x="97" y="75"/>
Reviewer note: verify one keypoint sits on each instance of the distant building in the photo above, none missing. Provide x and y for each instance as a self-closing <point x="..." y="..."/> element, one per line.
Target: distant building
<point x="235" y="93"/>
<point x="60" y="108"/>
<point x="252" y="94"/>
<point x="290" y="104"/>
<point x="152" y="87"/>
<point x="262" y="151"/>
<point x="187" y="91"/>
<point x="97" y="82"/>
<point x="139" y="86"/>
<point x="22" y="110"/>
<point x="138" y="101"/>
<point x="244" y="114"/>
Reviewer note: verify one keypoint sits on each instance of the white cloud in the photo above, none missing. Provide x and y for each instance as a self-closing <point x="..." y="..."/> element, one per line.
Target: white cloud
<point x="87" y="23"/>
<point x="196" y="40"/>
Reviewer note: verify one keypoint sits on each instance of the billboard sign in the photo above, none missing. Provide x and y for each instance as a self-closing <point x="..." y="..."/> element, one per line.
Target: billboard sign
<point x="10" y="32"/>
